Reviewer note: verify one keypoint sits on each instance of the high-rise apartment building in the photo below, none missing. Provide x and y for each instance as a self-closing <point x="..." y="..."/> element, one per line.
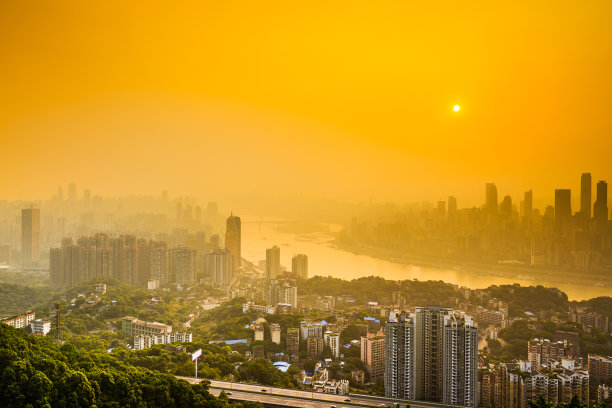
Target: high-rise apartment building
<point x="373" y="356"/>
<point x="314" y="346"/>
<point x="600" y="208"/>
<point x="585" y="196"/>
<point x="400" y="357"/>
<point x="183" y="265"/>
<point x="233" y="239"/>
<point x="432" y="355"/>
<point x="125" y="258"/>
<point x="429" y="352"/>
<point x="332" y="340"/>
<point x="30" y="236"/>
<point x="220" y="266"/>
<point x="460" y="361"/>
<point x="292" y="341"/>
<point x="273" y="262"/>
<point x="299" y="266"/>
<point x="160" y="265"/>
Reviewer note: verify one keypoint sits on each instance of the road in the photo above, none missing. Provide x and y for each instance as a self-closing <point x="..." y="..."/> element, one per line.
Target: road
<point x="296" y="398"/>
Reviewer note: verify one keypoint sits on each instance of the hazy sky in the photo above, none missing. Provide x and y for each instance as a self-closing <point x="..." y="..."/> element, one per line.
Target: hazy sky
<point x="343" y="100"/>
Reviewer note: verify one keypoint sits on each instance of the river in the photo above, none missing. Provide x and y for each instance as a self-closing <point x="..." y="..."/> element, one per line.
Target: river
<point x="326" y="260"/>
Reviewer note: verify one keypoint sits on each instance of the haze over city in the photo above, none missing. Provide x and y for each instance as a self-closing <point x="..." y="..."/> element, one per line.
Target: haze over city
<point x="315" y="204"/>
<point x="350" y="104"/>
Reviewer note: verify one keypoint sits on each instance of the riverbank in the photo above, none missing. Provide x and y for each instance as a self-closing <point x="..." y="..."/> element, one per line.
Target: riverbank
<point x="537" y="274"/>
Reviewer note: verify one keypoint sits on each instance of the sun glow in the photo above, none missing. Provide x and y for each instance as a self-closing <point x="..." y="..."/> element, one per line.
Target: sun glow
<point x="456" y="108"/>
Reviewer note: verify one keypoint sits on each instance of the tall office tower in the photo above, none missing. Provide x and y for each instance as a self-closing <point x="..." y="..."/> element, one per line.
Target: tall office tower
<point x="505" y="208"/>
<point x="299" y="266"/>
<point x="160" y="265"/>
<point x="72" y="192"/>
<point x="233" y="239"/>
<point x="400" y="357"/>
<point x="491" y="206"/>
<point x="585" y="196"/>
<point x="600" y="208"/>
<point x="220" y="266"/>
<point x="528" y="207"/>
<point x="373" y="356"/>
<point x="460" y="367"/>
<point x="179" y="214"/>
<point x="563" y="209"/>
<point x="452" y="207"/>
<point x="292" y="341"/>
<point x="272" y="262"/>
<point x="60" y="194"/>
<point x="30" y="236"/>
<point x="183" y="265"/>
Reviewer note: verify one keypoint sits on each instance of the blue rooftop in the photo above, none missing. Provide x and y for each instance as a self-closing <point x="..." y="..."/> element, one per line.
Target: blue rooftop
<point x="228" y="342"/>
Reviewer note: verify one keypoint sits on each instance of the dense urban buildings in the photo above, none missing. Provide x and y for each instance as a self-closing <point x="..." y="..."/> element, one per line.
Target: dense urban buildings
<point x="432" y="355"/>
<point x="515" y="233"/>
<point x="30" y="237"/>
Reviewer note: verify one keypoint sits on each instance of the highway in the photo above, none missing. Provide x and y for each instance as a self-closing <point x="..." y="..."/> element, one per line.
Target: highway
<point x="296" y="398"/>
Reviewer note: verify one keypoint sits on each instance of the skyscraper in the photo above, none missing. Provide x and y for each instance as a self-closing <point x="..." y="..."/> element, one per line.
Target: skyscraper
<point x="30" y="236"/>
<point x="491" y="205"/>
<point x="505" y="208"/>
<point x="528" y="206"/>
<point x="233" y="239"/>
<point x="563" y="209"/>
<point x="399" y="357"/>
<point x="585" y="196"/>
<point x="600" y="208"/>
<point x="299" y="266"/>
<point x="272" y="262"/>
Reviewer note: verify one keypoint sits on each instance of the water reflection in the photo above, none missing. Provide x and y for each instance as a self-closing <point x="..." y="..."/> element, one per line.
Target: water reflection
<point x="325" y="260"/>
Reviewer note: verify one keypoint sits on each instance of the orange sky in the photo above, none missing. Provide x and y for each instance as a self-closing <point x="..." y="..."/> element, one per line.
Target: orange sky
<point x="344" y="100"/>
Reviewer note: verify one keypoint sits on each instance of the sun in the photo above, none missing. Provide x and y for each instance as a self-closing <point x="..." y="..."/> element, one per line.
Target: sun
<point x="456" y="108"/>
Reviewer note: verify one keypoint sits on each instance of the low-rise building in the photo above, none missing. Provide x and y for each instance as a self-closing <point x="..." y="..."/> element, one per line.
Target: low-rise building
<point x="132" y="326"/>
<point x="21" y="321"/>
<point x="142" y="342"/>
<point x="40" y="327"/>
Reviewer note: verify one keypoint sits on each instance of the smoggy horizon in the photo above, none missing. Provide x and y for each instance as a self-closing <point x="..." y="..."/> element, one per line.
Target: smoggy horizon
<point x="326" y="102"/>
